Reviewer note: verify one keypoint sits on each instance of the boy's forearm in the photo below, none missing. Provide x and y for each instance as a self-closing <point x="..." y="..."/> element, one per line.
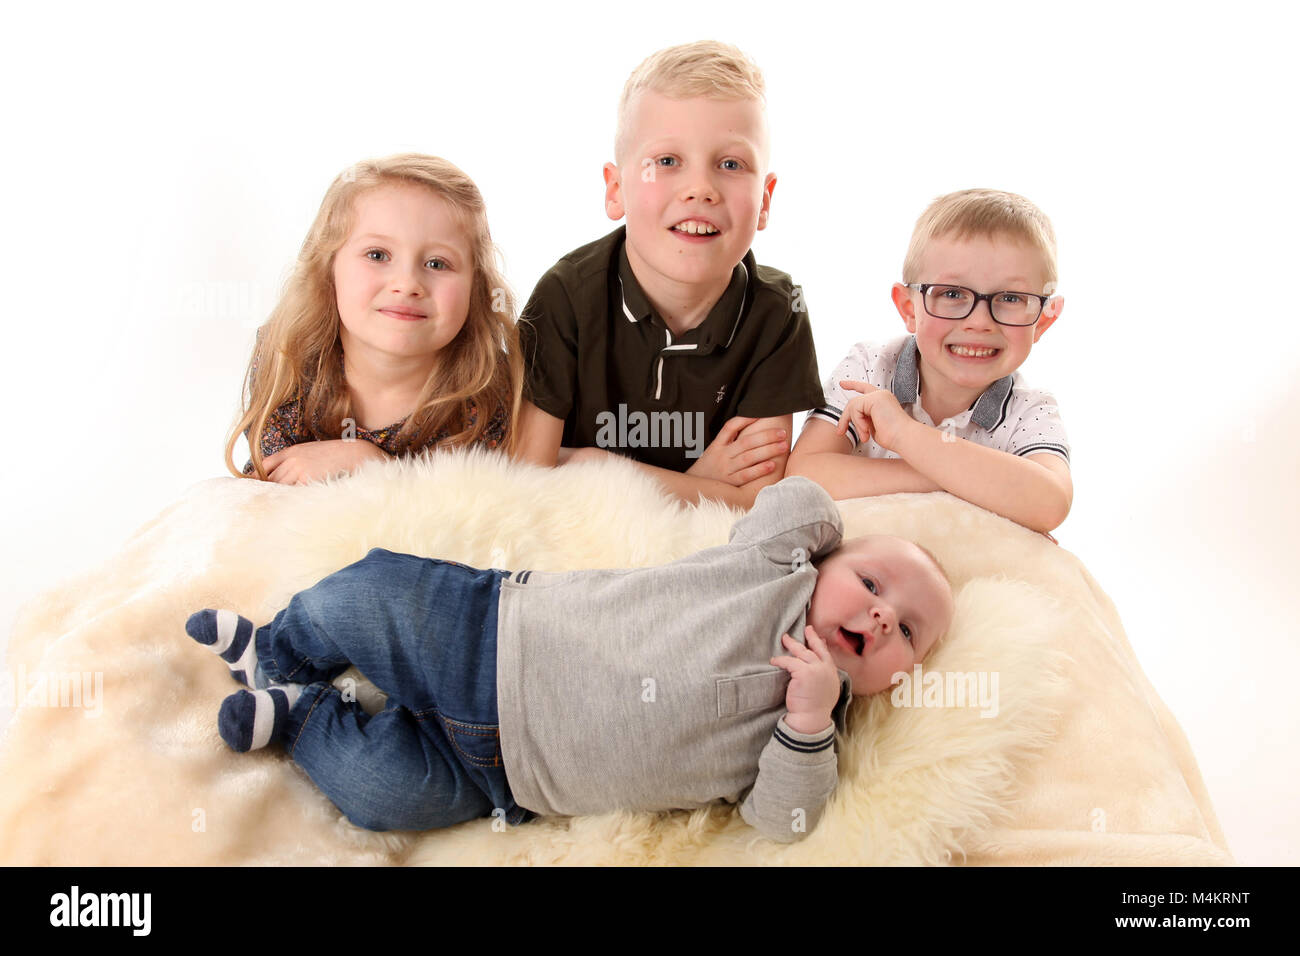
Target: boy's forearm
<point x="539" y="436"/>
<point x="852" y="476"/>
<point x="1014" y="487"/>
<point x="691" y="489"/>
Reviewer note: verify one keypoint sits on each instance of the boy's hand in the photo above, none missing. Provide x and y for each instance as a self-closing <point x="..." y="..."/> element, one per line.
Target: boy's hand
<point x="814" y="683"/>
<point x="875" y="414"/>
<point x="738" y="456"/>
<point x="313" y="460"/>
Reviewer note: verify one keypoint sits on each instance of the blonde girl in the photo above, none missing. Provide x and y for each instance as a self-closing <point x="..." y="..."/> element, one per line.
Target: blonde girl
<point x="394" y="334"/>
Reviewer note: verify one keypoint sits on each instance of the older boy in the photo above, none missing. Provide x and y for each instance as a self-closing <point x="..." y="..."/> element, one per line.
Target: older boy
<point x="590" y="691"/>
<point x="945" y="409"/>
<point x="665" y="336"/>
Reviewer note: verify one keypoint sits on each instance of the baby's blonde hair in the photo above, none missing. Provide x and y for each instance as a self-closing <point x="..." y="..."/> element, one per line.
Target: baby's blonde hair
<point x="705" y="68"/>
<point x="986" y="213"/>
<point x="299" y="353"/>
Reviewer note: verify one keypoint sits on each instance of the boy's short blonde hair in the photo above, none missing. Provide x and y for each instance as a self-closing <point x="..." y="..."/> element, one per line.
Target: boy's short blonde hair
<point x="706" y="68"/>
<point x="985" y="213"/>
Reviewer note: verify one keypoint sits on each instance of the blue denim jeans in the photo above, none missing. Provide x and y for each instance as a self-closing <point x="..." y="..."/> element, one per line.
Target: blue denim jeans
<point x="425" y="632"/>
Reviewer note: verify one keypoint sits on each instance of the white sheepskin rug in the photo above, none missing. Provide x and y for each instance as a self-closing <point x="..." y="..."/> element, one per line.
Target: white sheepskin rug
<point x="1077" y="761"/>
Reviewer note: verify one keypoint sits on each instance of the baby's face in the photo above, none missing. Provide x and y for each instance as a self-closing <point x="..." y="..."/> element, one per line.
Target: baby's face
<point x="880" y="604"/>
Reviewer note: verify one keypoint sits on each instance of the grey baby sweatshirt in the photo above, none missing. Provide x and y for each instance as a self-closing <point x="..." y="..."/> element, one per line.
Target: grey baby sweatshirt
<point x="651" y="688"/>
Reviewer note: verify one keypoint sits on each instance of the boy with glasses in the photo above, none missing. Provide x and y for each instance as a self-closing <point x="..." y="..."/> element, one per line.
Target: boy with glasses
<point x="944" y="408"/>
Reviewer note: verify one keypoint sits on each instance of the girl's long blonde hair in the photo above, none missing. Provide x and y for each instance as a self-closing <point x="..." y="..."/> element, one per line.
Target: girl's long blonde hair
<point x="299" y="353"/>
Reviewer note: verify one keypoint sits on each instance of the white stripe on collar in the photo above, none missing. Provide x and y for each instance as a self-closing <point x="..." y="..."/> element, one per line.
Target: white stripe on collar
<point x="744" y="293"/>
<point x="623" y="296"/>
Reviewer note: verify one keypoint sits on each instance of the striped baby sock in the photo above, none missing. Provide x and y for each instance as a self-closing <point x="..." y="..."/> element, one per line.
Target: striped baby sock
<point x="230" y="637"/>
<point x="251" y="719"/>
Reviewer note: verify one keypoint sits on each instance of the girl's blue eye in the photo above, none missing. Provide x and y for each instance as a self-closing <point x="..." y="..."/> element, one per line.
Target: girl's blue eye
<point x="372" y="253"/>
<point x="871" y="585"/>
<point x="438" y="264"/>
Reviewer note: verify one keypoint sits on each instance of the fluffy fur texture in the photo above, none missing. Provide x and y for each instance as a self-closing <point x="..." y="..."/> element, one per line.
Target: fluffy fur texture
<point x="1082" y="764"/>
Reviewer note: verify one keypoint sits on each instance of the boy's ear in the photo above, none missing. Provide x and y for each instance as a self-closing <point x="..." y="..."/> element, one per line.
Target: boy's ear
<point x="902" y="296"/>
<point x="613" y="192"/>
<point x="769" y="184"/>
<point x="1051" y="312"/>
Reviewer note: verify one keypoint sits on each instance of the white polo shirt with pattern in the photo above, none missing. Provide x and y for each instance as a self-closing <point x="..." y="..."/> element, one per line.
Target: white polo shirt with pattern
<point x="1009" y="416"/>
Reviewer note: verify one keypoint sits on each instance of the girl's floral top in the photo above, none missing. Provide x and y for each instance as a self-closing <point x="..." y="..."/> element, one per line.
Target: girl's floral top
<point x="285" y="427"/>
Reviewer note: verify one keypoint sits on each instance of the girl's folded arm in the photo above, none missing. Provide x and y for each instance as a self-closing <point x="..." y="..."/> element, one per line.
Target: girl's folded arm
<point x="313" y="460"/>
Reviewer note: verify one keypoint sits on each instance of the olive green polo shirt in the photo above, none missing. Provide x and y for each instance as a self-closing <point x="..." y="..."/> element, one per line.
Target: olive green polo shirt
<point x="598" y="356"/>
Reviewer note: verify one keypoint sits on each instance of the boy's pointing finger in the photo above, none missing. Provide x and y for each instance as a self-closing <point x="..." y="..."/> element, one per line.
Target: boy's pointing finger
<point x="863" y="387"/>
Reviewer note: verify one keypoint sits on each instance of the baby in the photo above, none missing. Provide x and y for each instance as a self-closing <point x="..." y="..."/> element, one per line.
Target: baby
<point x="530" y="692"/>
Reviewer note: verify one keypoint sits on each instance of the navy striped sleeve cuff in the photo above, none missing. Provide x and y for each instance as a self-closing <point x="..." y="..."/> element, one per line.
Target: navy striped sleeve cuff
<point x="831" y="414"/>
<point x="803" y="743"/>
<point x="1049" y="447"/>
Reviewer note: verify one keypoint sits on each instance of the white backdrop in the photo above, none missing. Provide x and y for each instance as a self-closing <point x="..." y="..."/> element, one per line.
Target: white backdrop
<point x="163" y="166"/>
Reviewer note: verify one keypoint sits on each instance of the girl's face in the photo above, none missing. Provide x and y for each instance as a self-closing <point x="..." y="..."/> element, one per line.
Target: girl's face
<point x="403" y="277"/>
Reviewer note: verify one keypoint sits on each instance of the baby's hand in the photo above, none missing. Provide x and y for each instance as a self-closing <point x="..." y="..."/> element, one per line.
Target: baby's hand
<point x="874" y="413"/>
<point x="313" y="460"/>
<point x="814" y="683"/>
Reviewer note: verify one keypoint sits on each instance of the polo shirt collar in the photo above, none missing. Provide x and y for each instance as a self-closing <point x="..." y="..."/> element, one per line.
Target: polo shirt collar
<point x="987" y="410"/>
<point x="719" y="326"/>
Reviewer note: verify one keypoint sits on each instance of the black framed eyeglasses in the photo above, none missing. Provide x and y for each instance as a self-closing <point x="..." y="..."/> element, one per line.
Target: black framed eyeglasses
<point x="957" y="302"/>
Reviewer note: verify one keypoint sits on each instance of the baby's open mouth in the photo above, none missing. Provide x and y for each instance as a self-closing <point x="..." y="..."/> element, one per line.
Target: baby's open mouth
<point x="854" y="639"/>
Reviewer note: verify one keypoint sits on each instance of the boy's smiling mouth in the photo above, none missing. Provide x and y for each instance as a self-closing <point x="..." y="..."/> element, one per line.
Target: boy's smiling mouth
<point x="695" y="227"/>
<point x="972" y="351"/>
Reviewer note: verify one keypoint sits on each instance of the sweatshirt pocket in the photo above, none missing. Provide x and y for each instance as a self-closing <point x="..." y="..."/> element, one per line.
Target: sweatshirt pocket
<point x="741" y="695"/>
